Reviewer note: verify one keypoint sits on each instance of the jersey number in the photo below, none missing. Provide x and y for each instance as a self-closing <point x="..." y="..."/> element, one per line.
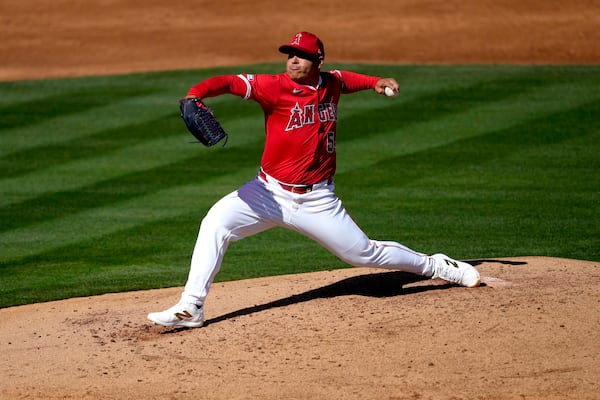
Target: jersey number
<point x="331" y="142"/>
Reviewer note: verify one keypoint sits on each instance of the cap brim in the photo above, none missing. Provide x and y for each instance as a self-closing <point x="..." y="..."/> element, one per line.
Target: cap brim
<point x="287" y="49"/>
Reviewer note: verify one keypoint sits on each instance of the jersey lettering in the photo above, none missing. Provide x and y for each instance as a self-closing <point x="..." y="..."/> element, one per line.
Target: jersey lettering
<point x="295" y="118"/>
<point x="309" y="114"/>
<point x="305" y="116"/>
<point x="327" y="112"/>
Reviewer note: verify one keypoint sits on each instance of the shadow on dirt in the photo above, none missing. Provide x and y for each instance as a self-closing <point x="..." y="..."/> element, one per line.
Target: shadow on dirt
<point x="491" y="261"/>
<point x="385" y="284"/>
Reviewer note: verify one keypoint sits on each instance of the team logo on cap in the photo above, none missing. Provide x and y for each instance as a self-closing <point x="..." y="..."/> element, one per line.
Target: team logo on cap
<point x="296" y="39"/>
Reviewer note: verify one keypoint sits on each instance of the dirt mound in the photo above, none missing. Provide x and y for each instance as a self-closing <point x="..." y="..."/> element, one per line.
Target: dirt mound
<point x="531" y="331"/>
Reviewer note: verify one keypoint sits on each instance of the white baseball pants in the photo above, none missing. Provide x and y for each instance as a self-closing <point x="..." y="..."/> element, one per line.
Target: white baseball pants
<point x="262" y="203"/>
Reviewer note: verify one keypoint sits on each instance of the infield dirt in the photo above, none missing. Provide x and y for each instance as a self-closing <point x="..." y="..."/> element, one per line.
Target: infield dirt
<point x="530" y="332"/>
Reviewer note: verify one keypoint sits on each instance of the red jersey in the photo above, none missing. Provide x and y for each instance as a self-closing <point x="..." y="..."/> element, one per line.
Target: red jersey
<point x="300" y="120"/>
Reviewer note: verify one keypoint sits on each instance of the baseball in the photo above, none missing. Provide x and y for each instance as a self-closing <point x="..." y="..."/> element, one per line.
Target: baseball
<point x="389" y="92"/>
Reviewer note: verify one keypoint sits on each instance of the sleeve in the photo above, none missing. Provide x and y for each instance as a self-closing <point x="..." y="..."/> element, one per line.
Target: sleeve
<point x="355" y="82"/>
<point x="218" y="85"/>
<point x="265" y="89"/>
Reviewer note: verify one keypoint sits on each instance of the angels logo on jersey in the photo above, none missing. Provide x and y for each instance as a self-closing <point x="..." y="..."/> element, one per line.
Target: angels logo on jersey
<point x="300" y="116"/>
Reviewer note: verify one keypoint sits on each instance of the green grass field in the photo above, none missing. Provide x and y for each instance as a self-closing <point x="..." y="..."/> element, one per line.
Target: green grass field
<point x="102" y="191"/>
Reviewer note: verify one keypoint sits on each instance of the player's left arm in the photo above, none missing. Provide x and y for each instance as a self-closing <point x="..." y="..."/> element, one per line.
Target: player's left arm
<point x="354" y="82"/>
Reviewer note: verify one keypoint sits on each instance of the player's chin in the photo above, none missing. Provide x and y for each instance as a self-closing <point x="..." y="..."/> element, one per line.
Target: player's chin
<point x="298" y="76"/>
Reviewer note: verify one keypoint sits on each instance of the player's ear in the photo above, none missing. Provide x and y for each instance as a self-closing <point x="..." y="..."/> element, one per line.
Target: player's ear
<point x="321" y="61"/>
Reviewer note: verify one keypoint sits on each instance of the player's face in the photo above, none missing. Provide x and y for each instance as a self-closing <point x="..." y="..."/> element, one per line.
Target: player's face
<point x="302" y="70"/>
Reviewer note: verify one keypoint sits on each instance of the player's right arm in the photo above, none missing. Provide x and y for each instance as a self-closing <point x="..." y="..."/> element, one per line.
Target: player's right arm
<point x="219" y="85"/>
<point x="263" y="88"/>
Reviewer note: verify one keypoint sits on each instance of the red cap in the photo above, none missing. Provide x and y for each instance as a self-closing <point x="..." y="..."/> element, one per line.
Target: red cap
<point x="305" y="42"/>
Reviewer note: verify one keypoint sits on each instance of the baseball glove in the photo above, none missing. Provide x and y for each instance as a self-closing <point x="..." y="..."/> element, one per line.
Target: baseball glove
<point x="201" y="122"/>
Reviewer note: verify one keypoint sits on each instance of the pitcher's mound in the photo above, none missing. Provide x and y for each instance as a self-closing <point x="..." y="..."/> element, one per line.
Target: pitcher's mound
<point x="530" y="331"/>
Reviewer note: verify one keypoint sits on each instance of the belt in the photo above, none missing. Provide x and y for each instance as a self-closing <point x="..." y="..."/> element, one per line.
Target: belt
<point x="300" y="189"/>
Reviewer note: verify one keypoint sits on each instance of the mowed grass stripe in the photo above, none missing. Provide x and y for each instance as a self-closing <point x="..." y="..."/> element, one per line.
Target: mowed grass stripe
<point x="43" y="158"/>
<point x="403" y="113"/>
<point x="93" y="105"/>
<point x="75" y="181"/>
<point x="528" y="185"/>
<point x="98" y="116"/>
<point x="479" y="119"/>
<point x="425" y="170"/>
<point x="517" y="149"/>
<point x="199" y="166"/>
<point x="160" y="148"/>
<point x="36" y="111"/>
<point x="79" y="173"/>
<point x="418" y="107"/>
<point x="94" y="223"/>
<point x="48" y="112"/>
<point x="114" y="192"/>
<point x="505" y="170"/>
<point x="92" y="136"/>
<point x="94" y="131"/>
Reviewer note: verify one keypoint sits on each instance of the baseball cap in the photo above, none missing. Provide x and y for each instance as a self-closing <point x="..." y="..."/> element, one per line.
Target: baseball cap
<point x="304" y="42"/>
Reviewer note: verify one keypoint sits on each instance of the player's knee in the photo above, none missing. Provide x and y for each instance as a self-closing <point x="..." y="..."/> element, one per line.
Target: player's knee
<point x="356" y="259"/>
<point x="361" y="255"/>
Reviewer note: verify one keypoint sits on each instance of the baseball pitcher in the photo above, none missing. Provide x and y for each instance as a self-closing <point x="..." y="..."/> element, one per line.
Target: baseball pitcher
<point x="294" y="186"/>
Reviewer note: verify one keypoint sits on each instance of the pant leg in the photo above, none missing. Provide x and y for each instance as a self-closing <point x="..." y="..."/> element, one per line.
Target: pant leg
<point x="240" y="214"/>
<point x="321" y="216"/>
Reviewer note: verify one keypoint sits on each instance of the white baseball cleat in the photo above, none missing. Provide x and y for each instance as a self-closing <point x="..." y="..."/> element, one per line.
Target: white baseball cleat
<point x="455" y="271"/>
<point x="181" y="314"/>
